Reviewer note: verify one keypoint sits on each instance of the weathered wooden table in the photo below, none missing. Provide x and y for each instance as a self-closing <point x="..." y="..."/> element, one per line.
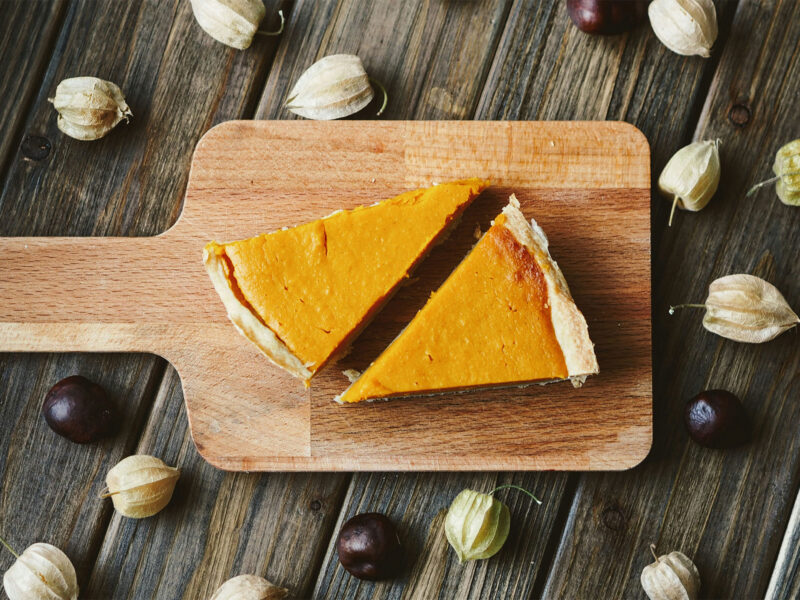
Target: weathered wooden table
<point x="736" y="512"/>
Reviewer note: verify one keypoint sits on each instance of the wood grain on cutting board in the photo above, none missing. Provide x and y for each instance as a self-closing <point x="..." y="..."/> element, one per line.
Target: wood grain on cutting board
<point x="586" y="183"/>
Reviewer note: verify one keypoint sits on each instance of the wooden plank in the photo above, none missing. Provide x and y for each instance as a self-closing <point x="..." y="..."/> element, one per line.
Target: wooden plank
<point x="217" y="525"/>
<point x="83" y="187"/>
<point x="132" y="180"/>
<point x="415" y="503"/>
<point x="415" y="500"/>
<point x="393" y="51"/>
<point x="726" y="509"/>
<point x="37" y="464"/>
<point x="26" y="40"/>
<point x="532" y="59"/>
<point x="51" y="486"/>
<point x="570" y="175"/>
<point x="785" y="580"/>
<point x="223" y="524"/>
<point x="431" y="56"/>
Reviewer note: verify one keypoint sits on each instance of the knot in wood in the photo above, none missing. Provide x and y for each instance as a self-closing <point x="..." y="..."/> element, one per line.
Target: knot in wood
<point x="739" y="114"/>
<point x="613" y="518"/>
<point x="35" y="147"/>
<point x="315" y="505"/>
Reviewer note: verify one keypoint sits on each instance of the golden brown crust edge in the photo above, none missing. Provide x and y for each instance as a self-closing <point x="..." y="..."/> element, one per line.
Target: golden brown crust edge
<point x="246" y="322"/>
<point x="569" y="323"/>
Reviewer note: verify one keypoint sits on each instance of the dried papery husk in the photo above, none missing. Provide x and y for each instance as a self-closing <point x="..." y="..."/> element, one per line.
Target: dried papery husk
<point x="476" y="525"/>
<point x="88" y="107"/>
<point x="332" y="88"/>
<point x="141" y="485"/>
<point x="787" y="174"/>
<point x="691" y="177"/>
<point x="249" y="587"/>
<point x="672" y="576"/>
<point x="231" y="22"/>
<point x="787" y="168"/>
<point x="41" y="572"/>
<point x="687" y="27"/>
<point x="745" y="308"/>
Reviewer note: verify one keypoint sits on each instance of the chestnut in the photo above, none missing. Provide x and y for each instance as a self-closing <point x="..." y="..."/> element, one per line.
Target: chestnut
<point x="80" y="410"/>
<point x="717" y="419"/>
<point x="369" y="547"/>
<point x="606" y="17"/>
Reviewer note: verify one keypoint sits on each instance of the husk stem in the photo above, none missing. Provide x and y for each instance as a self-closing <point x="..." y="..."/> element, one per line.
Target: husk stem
<point x="672" y="212"/>
<point x="761" y="184"/>
<point x="274" y="33"/>
<point x="515" y="487"/>
<point x="672" y="308"/>
<point x="9" y="548"/>
<point x="653" y="552"/>
<point x="385" y="96"/>
<point x="106" y="493"/>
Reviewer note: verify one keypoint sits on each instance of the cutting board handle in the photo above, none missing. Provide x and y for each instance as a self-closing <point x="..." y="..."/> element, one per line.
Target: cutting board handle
<point x="94" y="294"/>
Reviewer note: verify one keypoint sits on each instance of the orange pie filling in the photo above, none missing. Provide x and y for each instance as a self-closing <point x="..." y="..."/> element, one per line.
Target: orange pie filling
<point x="504" y="317"/>
<point x="302" y="294"/>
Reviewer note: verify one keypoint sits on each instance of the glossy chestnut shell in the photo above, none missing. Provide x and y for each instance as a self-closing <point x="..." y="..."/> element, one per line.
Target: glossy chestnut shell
<point x="717" y="419"/>
<point x="369" y="547"/>
<point x="80" y="410"/>
<point x="606" y="17"/>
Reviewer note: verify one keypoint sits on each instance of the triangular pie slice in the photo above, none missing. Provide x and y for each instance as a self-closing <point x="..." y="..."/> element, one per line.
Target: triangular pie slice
<point x="504" y="317"/>
<point x="302" y="294"/>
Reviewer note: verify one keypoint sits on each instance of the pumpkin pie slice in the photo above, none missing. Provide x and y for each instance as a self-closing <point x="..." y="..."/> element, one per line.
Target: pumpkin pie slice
<point x="504" y="317"/>
<point x="302" y="294"/>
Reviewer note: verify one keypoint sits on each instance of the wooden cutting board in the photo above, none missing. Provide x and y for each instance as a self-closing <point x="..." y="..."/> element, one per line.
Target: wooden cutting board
<point x="587" y="184"/>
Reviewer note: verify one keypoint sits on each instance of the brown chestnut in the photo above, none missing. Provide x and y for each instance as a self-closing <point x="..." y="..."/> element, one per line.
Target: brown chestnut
<point x="80" y="410"/>
<point x="369" y="547"/>
<point x="606" y="17"/>
<point x="717" y="419"/>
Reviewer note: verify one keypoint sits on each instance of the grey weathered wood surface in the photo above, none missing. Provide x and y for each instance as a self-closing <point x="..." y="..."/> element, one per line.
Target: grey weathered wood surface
<point x="25" y="47"/>
<point x="440" y="59"/>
